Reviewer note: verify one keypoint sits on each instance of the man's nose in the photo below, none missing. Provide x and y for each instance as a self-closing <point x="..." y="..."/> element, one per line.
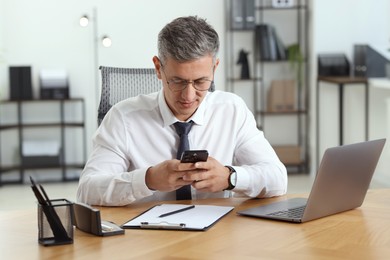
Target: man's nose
<point x="189" y="90"/>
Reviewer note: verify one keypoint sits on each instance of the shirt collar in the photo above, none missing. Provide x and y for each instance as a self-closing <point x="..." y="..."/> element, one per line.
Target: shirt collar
<point x="169" y="118"/>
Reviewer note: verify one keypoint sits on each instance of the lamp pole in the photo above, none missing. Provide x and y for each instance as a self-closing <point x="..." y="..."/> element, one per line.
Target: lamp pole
<point x="96" y="54"/>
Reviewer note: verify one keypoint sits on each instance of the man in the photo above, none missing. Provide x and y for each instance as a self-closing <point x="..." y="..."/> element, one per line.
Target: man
<point x="134" y="149"/>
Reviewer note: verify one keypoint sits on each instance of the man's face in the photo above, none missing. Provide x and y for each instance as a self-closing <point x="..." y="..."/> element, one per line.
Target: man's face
<point x="183" y="103"/>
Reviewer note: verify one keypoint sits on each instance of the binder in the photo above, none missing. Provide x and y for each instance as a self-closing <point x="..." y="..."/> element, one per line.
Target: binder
<point x="280" y="48"/>
<point x="271" y="35"/>
<point x="249" y="14"/>
<point x="237" y="15"/>
<point x="270" y="47"/>
<point x="197" y="218"/>
<point x="263" y="52"/>
<point x="368" y="62"/>
<point x="243" y="14"/>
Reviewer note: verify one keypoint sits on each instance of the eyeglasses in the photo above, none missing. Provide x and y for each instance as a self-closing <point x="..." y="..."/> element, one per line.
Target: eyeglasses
<point x="199" y="84"/>
<point x="177" y="85"/>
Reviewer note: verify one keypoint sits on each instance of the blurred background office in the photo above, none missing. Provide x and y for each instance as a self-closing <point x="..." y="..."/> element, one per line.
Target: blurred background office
<point x="71" y="39"/>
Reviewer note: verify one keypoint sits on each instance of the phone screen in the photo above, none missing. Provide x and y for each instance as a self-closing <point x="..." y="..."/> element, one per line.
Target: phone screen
<point x="193" y="156"/>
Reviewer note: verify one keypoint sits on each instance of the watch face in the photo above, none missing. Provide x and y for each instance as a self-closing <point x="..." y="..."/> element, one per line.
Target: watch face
<point x="233" y="178"/>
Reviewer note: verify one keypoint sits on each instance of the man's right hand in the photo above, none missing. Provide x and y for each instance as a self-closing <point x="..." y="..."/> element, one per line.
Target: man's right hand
<point x="168" y="175"/>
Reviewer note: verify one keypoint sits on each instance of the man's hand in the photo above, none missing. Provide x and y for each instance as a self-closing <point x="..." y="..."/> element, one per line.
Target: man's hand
<point x="168" y="175"/>
<point x="210" y="176"/>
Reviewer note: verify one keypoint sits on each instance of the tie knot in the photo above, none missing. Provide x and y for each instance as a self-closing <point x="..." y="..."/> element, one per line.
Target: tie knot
<point x="183" y="128"/>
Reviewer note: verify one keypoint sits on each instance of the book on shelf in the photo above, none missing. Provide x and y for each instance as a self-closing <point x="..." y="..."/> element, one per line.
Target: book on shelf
<point x="271" y="42"/>
<point x="269" y="45"/>
<point x="280" y="48"/>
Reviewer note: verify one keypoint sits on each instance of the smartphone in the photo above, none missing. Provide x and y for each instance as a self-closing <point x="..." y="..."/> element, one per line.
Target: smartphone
<point x="193" y="156"/>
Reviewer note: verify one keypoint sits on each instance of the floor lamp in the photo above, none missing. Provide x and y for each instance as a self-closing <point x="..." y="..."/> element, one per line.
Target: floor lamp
<point x="105" y="40"/>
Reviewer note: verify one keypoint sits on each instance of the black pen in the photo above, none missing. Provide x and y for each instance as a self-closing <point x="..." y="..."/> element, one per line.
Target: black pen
<point x="45" y="195"/>
<point x="176" y="211"/>
<point x="38" y="195"/>
<point x="32" y="181"/>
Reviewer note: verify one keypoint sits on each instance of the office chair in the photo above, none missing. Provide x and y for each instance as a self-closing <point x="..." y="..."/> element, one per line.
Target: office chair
<point x="121" y="83"/>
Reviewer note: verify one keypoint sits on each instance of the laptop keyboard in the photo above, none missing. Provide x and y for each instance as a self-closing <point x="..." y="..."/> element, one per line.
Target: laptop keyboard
<point x="289" y="213"/>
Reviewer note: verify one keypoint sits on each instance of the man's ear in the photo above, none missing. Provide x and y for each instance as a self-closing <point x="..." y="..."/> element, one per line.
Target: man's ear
<point x="216" y="64"/>
<point x="157" y="66"/>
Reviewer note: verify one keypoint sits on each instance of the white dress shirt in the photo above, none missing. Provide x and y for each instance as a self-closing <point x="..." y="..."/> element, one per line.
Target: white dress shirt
<point x="138" y="133"/>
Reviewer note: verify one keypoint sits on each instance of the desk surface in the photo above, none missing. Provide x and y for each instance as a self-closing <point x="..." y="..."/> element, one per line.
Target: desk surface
<point x="343" y="79"/>
<point x="363" y="233"/>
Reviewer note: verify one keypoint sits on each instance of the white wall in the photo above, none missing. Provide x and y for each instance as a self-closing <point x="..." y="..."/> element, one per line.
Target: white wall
<point x="2" y="75"/>
<point x="340" y="24"/>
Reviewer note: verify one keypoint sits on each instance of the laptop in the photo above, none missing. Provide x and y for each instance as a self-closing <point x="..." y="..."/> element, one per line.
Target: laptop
<point x="341" y="184"/>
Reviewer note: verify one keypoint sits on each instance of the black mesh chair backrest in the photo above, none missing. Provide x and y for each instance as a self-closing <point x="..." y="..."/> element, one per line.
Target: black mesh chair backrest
<point x="121" y="83"/>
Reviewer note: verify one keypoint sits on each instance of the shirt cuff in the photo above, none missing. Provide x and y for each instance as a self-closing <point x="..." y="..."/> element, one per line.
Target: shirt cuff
<point x="140" y="189"/>
<point x="243" y="179"/>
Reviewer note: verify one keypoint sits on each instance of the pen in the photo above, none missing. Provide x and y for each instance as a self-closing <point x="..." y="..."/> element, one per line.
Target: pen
<point x="32" y="181"/>
<point x="45" y="195"/>
<point x="38" y="195"/>
<point x="176" y="211"/>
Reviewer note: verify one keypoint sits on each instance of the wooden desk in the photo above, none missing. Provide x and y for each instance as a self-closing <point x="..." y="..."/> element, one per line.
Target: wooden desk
<point x="363" y="233"/>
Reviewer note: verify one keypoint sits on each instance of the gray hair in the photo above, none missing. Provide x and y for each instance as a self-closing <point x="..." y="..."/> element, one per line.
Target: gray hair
<point x="187" y="38"/>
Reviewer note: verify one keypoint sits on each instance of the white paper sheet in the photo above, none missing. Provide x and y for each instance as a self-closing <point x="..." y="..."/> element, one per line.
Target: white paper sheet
<point x="200" y="217"/>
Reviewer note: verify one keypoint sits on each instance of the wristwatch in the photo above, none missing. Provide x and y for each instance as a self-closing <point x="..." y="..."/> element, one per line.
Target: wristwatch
<point x="232" y="178"/>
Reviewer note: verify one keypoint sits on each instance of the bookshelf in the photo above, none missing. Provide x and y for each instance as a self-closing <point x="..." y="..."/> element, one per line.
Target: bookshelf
<point x="36" y="121"/>
<point x="277" y="90"/>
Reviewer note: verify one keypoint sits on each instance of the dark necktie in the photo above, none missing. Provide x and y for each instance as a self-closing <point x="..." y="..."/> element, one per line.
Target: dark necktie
<point x="182" y="129"/>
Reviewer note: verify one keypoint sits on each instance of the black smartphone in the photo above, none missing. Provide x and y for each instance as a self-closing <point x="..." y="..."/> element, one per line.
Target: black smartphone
<point x="193" y="156"/>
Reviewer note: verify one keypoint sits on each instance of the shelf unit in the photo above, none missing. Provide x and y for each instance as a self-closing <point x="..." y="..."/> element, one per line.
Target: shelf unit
<point x="55" y="118"/>
<point x="284" y="129"/>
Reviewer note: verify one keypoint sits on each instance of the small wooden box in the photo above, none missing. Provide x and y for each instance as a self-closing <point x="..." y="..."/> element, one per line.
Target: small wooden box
<point x="289" y="154"/>
<point x="281" y="96"/>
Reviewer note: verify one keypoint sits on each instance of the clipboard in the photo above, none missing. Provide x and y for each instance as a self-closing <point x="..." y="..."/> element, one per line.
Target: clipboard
<point x="198" y="218"/>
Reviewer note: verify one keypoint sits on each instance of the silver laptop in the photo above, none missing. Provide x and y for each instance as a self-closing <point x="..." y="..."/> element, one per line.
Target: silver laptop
<point x="341" y="184"/>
